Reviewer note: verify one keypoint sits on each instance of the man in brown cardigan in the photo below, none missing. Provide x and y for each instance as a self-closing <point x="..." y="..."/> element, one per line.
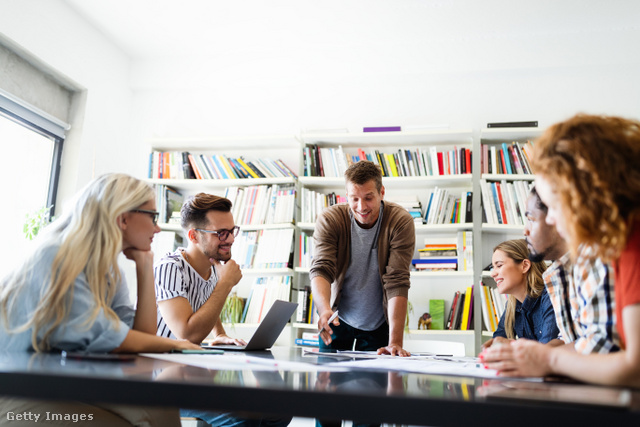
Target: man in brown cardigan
<point x="363" y="252"/>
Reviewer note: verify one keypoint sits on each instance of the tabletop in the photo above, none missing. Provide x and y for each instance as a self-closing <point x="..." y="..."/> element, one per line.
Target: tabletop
<point x="311" y="389"/>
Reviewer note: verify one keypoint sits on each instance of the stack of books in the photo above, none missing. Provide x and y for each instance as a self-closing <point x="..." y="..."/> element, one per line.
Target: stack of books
<point x="437" y="257"/>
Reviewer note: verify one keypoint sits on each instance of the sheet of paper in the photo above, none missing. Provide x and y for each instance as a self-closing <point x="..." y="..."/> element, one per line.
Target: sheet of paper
<point x="241" y="361"/>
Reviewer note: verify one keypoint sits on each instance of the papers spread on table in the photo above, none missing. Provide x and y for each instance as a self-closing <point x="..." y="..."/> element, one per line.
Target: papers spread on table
<point x="241" y="361"/>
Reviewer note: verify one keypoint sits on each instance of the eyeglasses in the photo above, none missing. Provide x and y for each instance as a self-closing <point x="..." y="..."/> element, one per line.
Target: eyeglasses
<point x="222" y="234"/>
<point x="154" y="214"/>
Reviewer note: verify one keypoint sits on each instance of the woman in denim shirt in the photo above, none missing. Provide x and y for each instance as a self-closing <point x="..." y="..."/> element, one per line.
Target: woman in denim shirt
<point x="528" y="313"/>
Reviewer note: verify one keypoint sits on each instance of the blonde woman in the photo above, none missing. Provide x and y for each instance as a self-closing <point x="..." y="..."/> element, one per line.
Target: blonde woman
<point x="70" y="294"/>
<point x="588" y="174"/>
<point x="529" y="313"/>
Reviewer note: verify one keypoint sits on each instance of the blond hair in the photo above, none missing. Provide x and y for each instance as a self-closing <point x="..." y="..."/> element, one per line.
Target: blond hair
<point x="89" y="240"/>
<point x="517" y="250"/>
<point x="594" y="165"/>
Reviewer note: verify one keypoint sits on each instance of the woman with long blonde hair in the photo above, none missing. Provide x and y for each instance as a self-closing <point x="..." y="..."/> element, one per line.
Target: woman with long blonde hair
<point x="70" y="294"/>
<point x="588" y="174"/>
<point x="529" y="313"/>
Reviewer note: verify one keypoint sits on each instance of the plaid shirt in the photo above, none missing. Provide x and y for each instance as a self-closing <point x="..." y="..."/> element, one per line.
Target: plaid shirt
<point x="584" y="303"/>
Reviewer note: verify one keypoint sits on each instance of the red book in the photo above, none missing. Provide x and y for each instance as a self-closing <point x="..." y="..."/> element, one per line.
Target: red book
<point x="504" y="165"/>
<point x="501" y="201"/>
<point x="467" y="153"/>
<point x="362" y="154"/>
<point x="450" y="321"/>
<point x="440" y="164"/>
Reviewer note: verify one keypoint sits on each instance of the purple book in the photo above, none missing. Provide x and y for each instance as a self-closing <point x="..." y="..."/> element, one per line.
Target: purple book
<point x="382" y="129"/>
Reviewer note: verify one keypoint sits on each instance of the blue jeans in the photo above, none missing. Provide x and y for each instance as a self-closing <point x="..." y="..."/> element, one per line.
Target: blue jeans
<point x="223" y="419"/>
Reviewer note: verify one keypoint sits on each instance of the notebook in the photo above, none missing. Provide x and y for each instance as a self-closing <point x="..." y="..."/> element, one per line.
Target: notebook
<point x="268" y="331"/>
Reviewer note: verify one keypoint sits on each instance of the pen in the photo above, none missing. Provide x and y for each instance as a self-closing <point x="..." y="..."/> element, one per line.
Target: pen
<point x="331" y="319"/>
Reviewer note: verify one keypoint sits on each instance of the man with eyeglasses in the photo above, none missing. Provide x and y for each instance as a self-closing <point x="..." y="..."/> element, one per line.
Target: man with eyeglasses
<point x="193" y="283"/>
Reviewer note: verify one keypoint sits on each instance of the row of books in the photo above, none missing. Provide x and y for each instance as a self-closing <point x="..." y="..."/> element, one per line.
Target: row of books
<point x="309" y="339"/>
<point x="306" y="312"/>
<point x="262" y="204"/>
<point x="305" y="250"/>
<point x="493" y="305"/>
<point x="446" y="253"/>
<point x="184" y="165"/>
<point x="169" y="202"/>
<point x="332" y="162"/>
<point x="313" y="202"/>
<point x="414" y="207"/>
<point x="461" y="313"/>
<point x="445" y="208"/>
<point x="505" y="202"/>
<point x="507" y="159"/>
<point x="270" y="248"/>
<point x="264" y="292"/>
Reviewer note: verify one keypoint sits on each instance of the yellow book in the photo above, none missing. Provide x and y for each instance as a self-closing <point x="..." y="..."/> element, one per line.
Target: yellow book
<point x="489" y="308"/>
<point x="227" y="166"/>
<point x="249" y="170"/>
<point x="467" y="308"/>
<point x="392" y="164"/>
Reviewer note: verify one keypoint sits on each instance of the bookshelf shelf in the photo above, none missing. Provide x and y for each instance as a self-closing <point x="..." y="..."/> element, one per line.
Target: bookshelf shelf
<point x="502" y="228"/>
<point x="450" y="274"/>
<point x="442" y="228"/>
<point x="306" y="226"/>
<point x="268" y="271"/>
<point x="437" y="332"/>
<point x="299" y="325"/>
<point x="178" y="228"/>
<point x="203" y="184"/>
<point x="391" y="181"/>
<point x="508" y="177"/>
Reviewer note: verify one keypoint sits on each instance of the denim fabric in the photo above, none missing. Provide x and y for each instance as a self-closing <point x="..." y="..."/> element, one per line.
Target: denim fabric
<point x="534" y="320"/>
<point x="222" y="419"/>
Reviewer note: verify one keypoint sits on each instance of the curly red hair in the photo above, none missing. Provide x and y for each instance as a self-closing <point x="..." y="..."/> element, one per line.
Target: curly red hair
<point x="593" y="162"/>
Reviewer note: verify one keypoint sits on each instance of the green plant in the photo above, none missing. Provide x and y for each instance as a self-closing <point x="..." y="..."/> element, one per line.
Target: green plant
<point x="35" y="221"/>
<point x="232" y="309"/>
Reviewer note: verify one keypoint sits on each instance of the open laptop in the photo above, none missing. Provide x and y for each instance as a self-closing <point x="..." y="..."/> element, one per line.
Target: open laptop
<point x="268" y="331"/>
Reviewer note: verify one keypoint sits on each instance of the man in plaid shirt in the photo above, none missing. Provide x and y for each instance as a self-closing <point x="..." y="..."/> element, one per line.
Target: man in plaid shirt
<point x="581" y="293"/>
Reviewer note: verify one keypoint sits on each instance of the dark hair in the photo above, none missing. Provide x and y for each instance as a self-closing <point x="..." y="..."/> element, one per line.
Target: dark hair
<point x="539" y="204"/>
<point x="194" y="210"/>
<point x="362" y="172"/>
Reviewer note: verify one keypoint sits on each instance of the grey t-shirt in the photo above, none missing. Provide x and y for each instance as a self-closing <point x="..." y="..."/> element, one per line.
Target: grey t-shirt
<point x="361" y="300"/>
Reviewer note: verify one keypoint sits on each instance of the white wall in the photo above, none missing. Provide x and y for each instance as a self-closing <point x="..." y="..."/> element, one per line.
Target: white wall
<point x="285" y="65"/>
<point x="282" y="66"/>
<point x="53" y="32"/>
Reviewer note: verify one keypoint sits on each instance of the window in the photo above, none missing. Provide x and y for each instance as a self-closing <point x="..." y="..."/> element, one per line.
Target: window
<point x="31" y="152"/>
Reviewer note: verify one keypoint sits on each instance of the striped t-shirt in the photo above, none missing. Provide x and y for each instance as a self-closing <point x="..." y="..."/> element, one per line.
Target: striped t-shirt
<point x="174" y="277"/>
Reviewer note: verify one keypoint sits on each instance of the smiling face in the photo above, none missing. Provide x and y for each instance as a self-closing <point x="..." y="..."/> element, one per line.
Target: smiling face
<point x="509" y="275"/>
<point x="210" y="244"/>
<point x="138" y="228"/>
<point x="364" y="201"/>
<point x="555" y="215"/>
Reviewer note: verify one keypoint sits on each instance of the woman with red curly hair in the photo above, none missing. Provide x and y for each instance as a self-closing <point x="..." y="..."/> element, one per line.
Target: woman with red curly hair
<point x="588" y="174"/>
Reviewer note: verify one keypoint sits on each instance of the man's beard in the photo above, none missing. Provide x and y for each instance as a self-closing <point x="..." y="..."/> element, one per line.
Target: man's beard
<point x="217" y="256"/>
<point x="535" y="256"/>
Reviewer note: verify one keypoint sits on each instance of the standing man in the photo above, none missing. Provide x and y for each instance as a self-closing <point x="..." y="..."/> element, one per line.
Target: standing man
<point x="192" y="284"/>
<point x="582" y="294"/>
<point x="363" y="252"/>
